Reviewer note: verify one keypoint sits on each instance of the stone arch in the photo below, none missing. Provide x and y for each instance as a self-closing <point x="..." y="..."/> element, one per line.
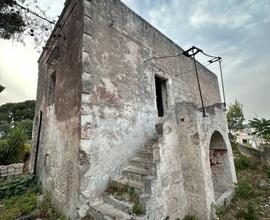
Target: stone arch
<point x="220" y="165"/>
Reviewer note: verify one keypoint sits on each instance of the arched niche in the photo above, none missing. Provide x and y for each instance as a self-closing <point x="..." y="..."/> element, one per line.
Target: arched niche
<point x="220" y="165"/>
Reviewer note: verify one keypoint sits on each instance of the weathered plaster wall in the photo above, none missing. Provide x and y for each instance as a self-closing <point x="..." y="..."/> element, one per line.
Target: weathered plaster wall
<point x="195" y="135"/>
<point x="58" y="152"/>
<point x="168" y="196"/>
<point x="118" y="92"/>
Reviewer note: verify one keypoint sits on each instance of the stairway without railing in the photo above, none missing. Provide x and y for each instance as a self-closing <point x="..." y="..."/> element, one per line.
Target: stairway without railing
<point x="136" y="180"/>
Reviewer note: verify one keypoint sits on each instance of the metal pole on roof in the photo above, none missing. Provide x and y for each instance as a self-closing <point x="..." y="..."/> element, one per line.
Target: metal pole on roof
<point x="199" y="85"/>
<point x="222" y="83"/>
<point x="191" y="53"/>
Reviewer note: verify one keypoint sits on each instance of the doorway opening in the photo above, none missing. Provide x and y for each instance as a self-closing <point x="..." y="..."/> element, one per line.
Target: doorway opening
<point x="38" y="140"/>
<point x="220" y="166"/>
<point x="161" y="95"/>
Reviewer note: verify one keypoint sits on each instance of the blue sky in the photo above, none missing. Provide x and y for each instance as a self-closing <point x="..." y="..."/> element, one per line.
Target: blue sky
<point x="236" y="30"/>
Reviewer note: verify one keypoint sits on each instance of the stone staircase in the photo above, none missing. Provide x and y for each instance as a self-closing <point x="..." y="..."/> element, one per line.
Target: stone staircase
<point x="135" y="182"/>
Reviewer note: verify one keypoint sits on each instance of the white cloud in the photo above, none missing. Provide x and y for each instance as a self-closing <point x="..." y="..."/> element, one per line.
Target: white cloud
<point x="234" y="29"/>
<point x="18" y="71"/>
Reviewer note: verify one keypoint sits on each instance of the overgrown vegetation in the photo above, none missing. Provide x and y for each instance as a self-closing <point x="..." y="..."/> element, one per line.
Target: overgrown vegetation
<point x="17" y="186"/>
<point x="137" y="208"/>
<point x="17" y="206"/>
<point x="248" y="213"/>
<point x="19" y="114"/>
<point x="252" y="193"/>
<point x="19" y="197"/>
<point x="14" y="149"/>
<point x="127" y="193"/>
<point x="244" y="189"/>
<point x="242" y="162"/>
<point x="16" y="121"/>
<point x="46" y="210"/>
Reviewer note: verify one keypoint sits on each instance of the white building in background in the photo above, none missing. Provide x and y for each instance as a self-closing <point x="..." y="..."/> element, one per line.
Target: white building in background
<point x="245" y="137"/>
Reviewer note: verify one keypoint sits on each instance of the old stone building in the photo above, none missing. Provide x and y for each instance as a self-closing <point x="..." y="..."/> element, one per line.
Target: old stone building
<point x="105" y="113"/>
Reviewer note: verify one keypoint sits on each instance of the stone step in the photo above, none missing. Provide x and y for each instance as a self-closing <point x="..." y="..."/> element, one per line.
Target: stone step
<point x="134" y="169"/>
<point x="138" y="186"/>
<point x="147" y="154"/>
<point x="119" y="203"/>
<point x="141" y="163"/>
<point x="150" y="143"/>
<point x="135" y="176"/>
<point x="104" y="211"/>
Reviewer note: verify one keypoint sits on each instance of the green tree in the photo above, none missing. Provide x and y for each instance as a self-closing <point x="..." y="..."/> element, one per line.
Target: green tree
<point x="13" y="149"/>
<point x="21" y="18"/>
<point x="12" y="114"/>
<point x="261" y="128"/>
<point x="27" y="125"/>
<point x="235" y="116"/>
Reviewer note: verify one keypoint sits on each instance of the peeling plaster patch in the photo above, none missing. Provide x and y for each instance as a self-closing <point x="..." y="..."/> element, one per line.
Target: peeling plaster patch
<point x="108" y="85"/>
<point x="132" y="56"/>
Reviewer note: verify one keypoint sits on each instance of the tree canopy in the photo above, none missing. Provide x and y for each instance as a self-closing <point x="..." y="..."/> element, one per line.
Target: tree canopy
<point x="235" y="116"/>
<point x="21" y="18"/>
<point x="261" y="128"/>
<point x="21" y="113"/>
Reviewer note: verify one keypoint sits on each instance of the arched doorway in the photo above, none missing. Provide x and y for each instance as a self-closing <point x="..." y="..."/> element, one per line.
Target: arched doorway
<point x="220" y="165"/>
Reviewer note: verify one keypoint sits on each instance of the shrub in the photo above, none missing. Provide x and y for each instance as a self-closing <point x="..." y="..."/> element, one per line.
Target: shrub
<point x="137" y="208"/>
<point x="244" y="190"/>
<point x="249" y="213"/>
<point x="220" y="211"/>
<point x="16" y="186"/>
<point x="243" y="162"/>
<point x="12" y="150"/>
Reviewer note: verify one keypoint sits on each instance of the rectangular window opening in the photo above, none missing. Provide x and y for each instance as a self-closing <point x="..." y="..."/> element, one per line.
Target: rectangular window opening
<point x="161" y="95"/>
<point x="245" y="141"/>
<point x="52" y="83"/>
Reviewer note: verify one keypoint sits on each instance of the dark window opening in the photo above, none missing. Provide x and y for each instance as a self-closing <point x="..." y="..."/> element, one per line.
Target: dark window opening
<point x="52" y="83"/>
<point x="161" y="95"/>
<point x="245" y="141"/>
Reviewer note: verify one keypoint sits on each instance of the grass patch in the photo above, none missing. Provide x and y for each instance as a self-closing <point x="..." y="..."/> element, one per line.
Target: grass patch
<point x="249" y="213"/>
<point x="127" y="193"/>
<point x="244" y="190"/>
<point x="242" y="162"/>
<point x="19" y="198"/>
<point x="47" y="211"/>
<point x="17" y="206"/>
<point x="116" y="189"/>
<point x="220" y="211"/>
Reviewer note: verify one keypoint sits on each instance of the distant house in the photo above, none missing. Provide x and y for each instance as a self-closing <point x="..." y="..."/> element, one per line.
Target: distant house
<point x="245" y="137"/>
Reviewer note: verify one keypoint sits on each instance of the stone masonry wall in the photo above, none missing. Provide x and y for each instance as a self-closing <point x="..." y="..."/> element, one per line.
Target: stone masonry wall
<point x="168" y="195"/>
<point x="195" y="134"/>
<point x="58" y="150"/>
<point x="11" y="170"/>
<point x="263" y="155"/>
<point x="118" y="112"/>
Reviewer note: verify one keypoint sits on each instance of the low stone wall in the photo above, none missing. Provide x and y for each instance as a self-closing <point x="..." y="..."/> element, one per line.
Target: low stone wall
<point x="263" y="155"/>
<point x="11" y="170"/>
